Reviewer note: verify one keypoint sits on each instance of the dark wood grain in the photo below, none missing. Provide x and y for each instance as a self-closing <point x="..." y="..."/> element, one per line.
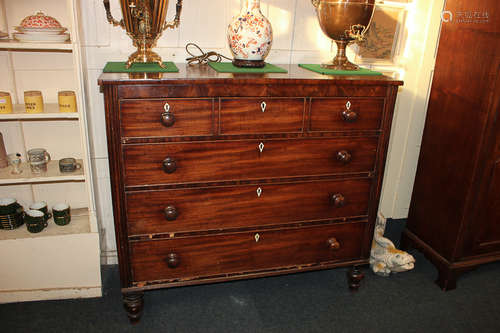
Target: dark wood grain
<point x="455" y="203"/>
<point x="234" y="160"/>
<point x="326" y="114"/>
<point x="231" y="253"/>
<point x="246" y="116"/>
<point x="142" y="118"/>
<point x="241" y="206"/>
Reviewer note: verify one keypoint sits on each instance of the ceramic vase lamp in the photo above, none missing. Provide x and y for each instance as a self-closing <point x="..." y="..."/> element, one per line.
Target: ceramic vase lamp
<point x="144" y="21"/>
<point x="250" y="36"/>
<point x="344" y="21"/>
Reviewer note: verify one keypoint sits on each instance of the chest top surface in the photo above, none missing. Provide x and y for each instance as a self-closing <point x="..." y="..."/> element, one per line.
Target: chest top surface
<point x="204" y="74"/>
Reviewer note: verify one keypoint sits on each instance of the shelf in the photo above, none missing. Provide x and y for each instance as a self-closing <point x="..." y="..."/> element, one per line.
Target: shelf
<point x="52" y="175"/>
<point x="51" y="111"/>
<point x="12" y="44"/>
<point x="79" y="225"/>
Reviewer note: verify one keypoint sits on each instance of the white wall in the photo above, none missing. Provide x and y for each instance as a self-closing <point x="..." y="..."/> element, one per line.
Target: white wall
<point x="297" y="39"/>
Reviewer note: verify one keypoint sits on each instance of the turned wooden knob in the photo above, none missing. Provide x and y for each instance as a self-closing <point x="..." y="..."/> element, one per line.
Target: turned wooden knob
<point x="349" y="116"/>
<point x="173" y="260"/>
<point x="344" y="156"/>
<point x="338" y="200"/>
<point x="167" y="119"/>
<point x="169" y="165"/>
<point x="333" y="243"/>
<point x="171" y="213"/>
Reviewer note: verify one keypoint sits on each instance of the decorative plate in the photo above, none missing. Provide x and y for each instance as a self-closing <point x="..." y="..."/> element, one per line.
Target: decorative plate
<point x="47" y="31"/>
<point x="39" y="38"/>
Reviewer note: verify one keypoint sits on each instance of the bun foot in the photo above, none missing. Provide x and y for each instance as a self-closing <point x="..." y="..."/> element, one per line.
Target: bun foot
<point x="354" y="277"/>
<point x="133" y="304"/>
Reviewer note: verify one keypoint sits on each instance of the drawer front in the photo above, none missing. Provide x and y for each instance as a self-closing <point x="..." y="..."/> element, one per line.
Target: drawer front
<point x="342" y="114"/>
<point x="261" y="115"/>
<point x="166" y="117"/>
<point x="241" y="206"/>
<point x="193" y="257"/>
<point x="171" y="163"/>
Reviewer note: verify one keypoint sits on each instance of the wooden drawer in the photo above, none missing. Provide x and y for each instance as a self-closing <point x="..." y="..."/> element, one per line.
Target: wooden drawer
<point x="343" y="114"/>
<point x="261" y="115"/>
<point x="242" y="206"/>
<point x="237" y="160"/>
<point x="143" y="118"/>
<point x="213" y="255"/>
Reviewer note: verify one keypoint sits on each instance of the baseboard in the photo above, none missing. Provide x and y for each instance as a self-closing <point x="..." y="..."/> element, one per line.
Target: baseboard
<point x="12" y="296"/>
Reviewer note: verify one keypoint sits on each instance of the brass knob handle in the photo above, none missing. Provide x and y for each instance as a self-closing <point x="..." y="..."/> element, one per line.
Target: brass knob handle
<point x="173" y="260"/>
<point x="344" y="156"/>
<point x="171" y="213"/>
<point x="338" y="200"/>
<point x="349" y="116"/>
<point x="333" y="243"/>
<point x="167" y="119"/>
<point x="169" y="165"/>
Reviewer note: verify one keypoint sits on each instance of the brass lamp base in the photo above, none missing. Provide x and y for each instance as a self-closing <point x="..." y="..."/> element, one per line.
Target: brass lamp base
<point x="144" y="56"/>
<point x="340" y="62"/>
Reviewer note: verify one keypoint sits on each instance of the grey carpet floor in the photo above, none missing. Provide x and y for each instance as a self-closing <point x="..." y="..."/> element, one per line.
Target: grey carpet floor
<point x="306" y="302"/>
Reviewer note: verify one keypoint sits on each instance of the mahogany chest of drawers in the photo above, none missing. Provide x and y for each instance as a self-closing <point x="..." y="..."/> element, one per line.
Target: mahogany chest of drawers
<point x="220" y="177"/>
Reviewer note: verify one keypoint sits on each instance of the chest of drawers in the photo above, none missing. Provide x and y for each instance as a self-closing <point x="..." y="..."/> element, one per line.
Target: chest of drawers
<point x="219" y="177"/>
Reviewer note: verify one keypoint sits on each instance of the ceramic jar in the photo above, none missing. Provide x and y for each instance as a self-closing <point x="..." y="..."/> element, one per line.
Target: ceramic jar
<point x="250" y="36"/>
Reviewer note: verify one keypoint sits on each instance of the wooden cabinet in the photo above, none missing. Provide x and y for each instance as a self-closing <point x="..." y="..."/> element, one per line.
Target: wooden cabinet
<point x="218" y="177"/>
<point x="60" y="261"/>
<point x="454" y="216"/>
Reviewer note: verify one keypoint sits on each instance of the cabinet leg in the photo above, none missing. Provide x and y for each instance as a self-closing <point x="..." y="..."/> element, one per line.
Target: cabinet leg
<point x="133" y="304"/>
<point x="354" y="277"/>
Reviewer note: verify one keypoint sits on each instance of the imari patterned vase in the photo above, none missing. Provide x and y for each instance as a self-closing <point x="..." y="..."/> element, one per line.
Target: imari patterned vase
<point x="250" y="36"/>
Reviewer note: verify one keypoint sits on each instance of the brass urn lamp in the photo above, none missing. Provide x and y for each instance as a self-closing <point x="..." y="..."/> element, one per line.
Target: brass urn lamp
<point x="144" y="21"/>
<point x="344" y="21"/>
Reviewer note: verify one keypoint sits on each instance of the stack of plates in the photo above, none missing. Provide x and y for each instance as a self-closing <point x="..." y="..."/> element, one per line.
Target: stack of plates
<point x="41" y="35"/>
<point x="3" y="35"/>
<point x="12" y="221"/>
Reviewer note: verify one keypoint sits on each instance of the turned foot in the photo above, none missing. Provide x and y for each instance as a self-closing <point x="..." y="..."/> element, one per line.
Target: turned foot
<point x="133" y="304"/>
<point x="354" y="277"/>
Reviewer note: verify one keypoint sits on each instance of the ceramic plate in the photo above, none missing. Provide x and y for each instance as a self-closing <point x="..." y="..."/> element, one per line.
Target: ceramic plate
<point x="48" y="31"/>
<point x="41" y="38"/>
<point x="3" y="34"/>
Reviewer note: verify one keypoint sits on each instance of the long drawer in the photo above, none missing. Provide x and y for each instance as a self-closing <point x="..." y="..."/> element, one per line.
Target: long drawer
<point x="190" y="210"/>
<point x="194" y="257"/>
<point x="166" y="117"/>
<point x="171" y="163"/>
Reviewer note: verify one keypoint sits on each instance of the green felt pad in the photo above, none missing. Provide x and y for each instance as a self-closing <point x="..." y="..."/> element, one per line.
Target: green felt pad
<point x="119" y="67"/>
<point x="227" y="67"/>
<point x="318" y="69"/>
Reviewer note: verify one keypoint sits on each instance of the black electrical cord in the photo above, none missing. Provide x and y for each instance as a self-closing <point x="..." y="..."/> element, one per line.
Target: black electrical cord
<point x="204" y="57"/>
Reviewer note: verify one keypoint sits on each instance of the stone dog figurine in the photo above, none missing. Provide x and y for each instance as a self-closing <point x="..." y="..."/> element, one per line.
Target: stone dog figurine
<point x="384" y="257"/>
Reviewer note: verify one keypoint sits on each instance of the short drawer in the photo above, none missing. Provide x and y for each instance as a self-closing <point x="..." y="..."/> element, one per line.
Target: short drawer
<point x="188" y="210"/>
<point x="204" y="256"/>
<point x="261" y="115"/>
<point x="166" y="117"/>
<point x="342" y="114"/>
<point x="173" y="163"/>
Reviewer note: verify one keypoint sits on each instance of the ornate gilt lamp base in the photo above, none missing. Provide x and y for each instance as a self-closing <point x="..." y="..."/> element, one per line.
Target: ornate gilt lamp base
<point x="340" y="62"/>
<point x="143" y="55"/>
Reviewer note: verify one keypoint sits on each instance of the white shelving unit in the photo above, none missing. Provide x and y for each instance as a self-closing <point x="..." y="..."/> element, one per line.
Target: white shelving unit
<point x="61" y="261"/>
